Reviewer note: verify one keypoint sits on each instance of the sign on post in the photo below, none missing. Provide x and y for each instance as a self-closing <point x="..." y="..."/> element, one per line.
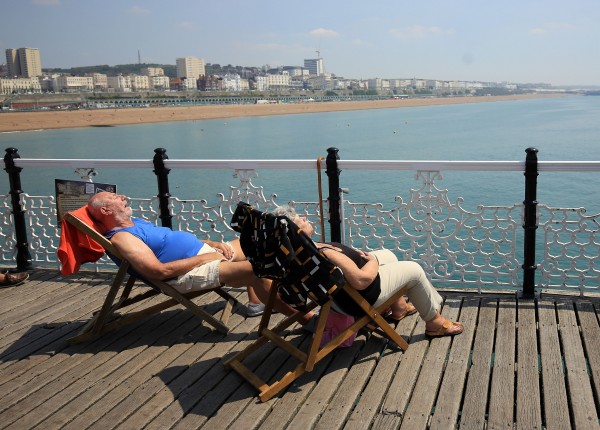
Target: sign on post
<point x="71" y="195"/>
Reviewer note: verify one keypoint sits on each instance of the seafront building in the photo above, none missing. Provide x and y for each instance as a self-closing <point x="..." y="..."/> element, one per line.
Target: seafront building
<point x="152" y="71"/>
<point x="24" y="75"/>
<point x="190" y="67"/>
<point x="23" y="62"/>
<point x="315" y="66"/>
<point x="73" y="83"/>
<point x="20" y="85"/>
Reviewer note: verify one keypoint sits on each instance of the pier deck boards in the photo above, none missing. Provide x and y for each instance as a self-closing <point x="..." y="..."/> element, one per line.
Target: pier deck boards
<point x="519" y="364"/>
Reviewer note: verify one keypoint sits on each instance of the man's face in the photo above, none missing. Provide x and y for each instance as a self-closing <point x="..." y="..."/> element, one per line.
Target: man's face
<point x="117" y="204"/>
<point x="304" y="225"/>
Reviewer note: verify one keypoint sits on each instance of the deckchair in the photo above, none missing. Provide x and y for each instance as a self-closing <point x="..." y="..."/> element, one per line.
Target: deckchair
<point x="304" y="278"/>
<point x="106" y="319"/>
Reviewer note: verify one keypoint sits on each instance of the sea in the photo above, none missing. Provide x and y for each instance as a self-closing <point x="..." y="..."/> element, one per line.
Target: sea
<point x="562" y="129"/>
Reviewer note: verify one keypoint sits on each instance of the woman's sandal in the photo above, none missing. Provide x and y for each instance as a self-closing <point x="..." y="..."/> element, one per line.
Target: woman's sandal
<point x="443" y="330"/>
<point x="410" y="310"/>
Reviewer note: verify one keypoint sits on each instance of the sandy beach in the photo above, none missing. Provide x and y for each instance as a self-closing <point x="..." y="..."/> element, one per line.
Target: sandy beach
<point x="40" y="120"/>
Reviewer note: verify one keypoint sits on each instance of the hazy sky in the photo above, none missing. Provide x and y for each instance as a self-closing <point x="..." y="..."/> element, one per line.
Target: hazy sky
<point x="552" y="41"/>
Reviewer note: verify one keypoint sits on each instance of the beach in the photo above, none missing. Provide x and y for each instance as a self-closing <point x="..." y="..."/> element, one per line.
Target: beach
<point x="42" y="120"/>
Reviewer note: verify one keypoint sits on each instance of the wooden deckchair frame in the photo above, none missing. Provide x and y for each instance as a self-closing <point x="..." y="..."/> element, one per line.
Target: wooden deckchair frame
<point x="371" y="317"/>
<point x="106" y="320"/>
<point x="372" y="320"/>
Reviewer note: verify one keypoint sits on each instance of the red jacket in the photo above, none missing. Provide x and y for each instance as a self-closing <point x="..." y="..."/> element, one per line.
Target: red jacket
<point x="76" y="247"/>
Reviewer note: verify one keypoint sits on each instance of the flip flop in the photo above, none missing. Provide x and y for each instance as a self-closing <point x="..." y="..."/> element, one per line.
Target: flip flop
<point x="410" y="310"/>
<point x="443" y="330"/>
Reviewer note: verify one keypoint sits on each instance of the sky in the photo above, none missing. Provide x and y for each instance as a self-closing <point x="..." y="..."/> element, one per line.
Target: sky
<point x="519" y="41"/>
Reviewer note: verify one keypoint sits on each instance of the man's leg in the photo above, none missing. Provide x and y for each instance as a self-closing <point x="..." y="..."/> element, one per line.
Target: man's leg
<point x="240" y="274"/>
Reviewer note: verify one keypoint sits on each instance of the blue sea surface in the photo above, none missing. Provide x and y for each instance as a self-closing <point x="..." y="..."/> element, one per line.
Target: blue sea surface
<point x="560" y="128"/>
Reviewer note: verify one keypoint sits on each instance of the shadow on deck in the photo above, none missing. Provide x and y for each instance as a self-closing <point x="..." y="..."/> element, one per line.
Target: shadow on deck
<point x="519" y="364"/>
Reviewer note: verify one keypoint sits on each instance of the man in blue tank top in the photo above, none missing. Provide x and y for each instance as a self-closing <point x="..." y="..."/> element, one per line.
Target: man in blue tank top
<point x="179" y="257"/>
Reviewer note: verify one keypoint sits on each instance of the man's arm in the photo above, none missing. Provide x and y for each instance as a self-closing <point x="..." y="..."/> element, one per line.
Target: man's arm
<point x="146" y="264"/>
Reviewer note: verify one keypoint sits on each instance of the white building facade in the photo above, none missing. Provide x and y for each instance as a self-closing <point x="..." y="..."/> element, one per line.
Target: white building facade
<point x="119" y="83"/>
<point x="69" y="83"/>
<point x="20" y="85"/>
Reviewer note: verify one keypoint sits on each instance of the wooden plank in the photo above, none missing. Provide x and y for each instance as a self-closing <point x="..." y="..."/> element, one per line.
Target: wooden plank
<point x="476" y="393"/>
<point x="55" y="367"/>
<point x="398" y="395"/>
<point x="125" y="399"/>
<point x="590" y="333"/>
<point x="279" y="411"/>
<point x="502" y="392"/>
<point x="528" y="404"/>
<point x="39" y="284"/>
<point x="69" y="386"/>
<point x="556" y="408"/>
<point x="37" y="325"/>
<point x="309" y="413"/>
<point x="212" y="372"/>
<point x="343" y="401"/>
<point x="419" y="410"/>
<point x="581" y="398"/>
<point x="372" y="397"/>
<point x="242" y="405"/>
<point x="194" y="365"/>
<point x="14" y="367"/>
<point x="451" y="391"/>
<point x="109" y="394"/>
<point x="228" y="399"/>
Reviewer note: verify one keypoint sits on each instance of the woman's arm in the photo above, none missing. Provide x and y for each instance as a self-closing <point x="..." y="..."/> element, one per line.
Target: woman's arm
<point x="359" y="279"/>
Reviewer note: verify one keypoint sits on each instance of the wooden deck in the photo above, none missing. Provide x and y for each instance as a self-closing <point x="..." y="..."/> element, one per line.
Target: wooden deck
<point x="519" y="364"/>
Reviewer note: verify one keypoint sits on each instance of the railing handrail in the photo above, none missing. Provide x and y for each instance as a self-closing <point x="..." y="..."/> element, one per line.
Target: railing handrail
<point x="528" y="218"/>
<point x="284" y="164"/>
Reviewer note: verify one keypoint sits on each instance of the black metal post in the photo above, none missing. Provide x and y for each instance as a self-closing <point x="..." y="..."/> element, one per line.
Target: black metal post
<point x="162" y="176"/>
<point x="530" y="223"/>
<point x="334" y="194"/>
<point x="14" y="178"/>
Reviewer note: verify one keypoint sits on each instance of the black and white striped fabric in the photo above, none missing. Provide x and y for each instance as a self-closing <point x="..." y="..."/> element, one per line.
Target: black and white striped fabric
<point x="279" y="250"/>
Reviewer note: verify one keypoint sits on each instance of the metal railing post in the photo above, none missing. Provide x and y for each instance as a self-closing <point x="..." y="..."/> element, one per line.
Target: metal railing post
<point x="162" y="176"/>
<point x="333" y="174"/>
<point x="14" y="178"/>
<point x="530" y="223"/>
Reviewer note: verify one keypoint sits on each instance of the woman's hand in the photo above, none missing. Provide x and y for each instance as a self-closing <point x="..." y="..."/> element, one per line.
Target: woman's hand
<point x="359" y="279"/>
<point x="224" y="249"/>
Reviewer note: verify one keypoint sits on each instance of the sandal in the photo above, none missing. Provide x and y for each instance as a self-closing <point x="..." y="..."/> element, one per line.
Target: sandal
<point x="410" y="310"/>
<point x="443" y="330"/>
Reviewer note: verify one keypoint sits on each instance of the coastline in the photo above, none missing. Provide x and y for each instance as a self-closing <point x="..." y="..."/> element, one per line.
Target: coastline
<point x="44" y="120"/>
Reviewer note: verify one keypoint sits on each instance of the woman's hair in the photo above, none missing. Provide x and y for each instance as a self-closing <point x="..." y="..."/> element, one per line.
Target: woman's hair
<point x="285" y="210"/>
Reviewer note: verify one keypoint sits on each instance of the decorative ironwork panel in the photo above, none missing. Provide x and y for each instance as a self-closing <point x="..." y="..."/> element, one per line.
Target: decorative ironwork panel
<point x="456" y="247"/>
<point x="571" y="249"/>
<point x="42" y="232"/>
<point x="210" y="220"/>
<point x="145" y="208"/>
<point x="7" y="232"/>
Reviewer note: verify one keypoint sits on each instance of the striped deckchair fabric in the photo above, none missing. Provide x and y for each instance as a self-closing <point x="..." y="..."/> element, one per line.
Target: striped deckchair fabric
<point x="280" y="251"/>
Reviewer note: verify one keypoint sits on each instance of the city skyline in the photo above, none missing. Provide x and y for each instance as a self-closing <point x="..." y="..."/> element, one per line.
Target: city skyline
<point x="532" y="41"/>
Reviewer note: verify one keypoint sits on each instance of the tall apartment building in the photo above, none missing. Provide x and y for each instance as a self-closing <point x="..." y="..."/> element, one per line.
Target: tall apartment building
<point x="315" y="66"/>
<point x="23" y="62"/>
<point x="190" y="67"/>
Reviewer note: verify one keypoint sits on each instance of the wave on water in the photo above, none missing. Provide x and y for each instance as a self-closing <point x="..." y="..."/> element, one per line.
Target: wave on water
<point x="22" y="131"/>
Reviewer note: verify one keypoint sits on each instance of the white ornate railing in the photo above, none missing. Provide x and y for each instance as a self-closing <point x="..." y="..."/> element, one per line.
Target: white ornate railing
<point x="476" y="249"/>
